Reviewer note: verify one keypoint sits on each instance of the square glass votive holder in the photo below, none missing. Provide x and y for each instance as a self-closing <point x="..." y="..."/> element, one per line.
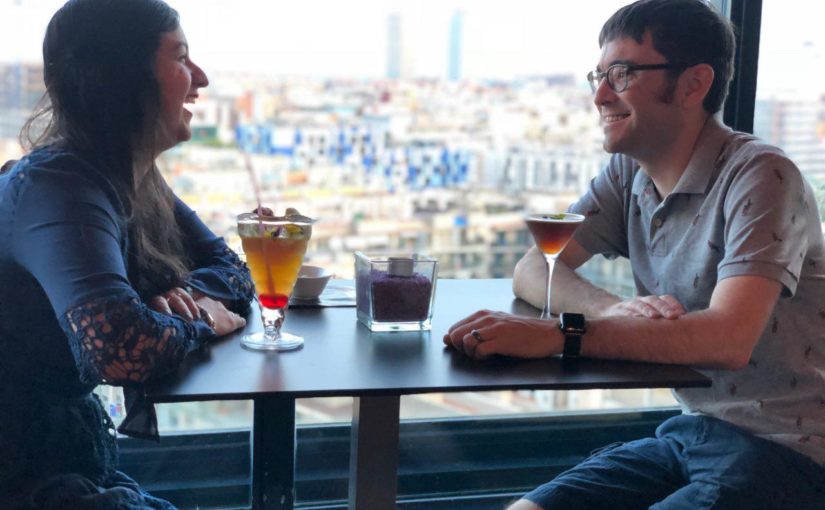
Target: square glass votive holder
<point x="395" y="293"/>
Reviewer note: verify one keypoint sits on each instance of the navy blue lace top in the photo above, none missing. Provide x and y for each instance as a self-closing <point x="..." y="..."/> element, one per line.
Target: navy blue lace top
<point x="71" y="316"/>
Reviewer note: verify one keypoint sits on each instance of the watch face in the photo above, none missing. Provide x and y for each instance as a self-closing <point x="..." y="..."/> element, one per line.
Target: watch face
<point x="571" y="321"/>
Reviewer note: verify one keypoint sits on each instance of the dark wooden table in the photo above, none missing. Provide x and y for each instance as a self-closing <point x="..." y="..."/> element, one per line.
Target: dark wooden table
<point x="341" y="357"/>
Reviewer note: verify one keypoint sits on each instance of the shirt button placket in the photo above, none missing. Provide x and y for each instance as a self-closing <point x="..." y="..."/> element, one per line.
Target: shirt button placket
<point x="656" y="238"/>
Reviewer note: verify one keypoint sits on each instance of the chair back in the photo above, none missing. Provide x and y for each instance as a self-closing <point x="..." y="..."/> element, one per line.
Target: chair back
<point x="7" y="166"/>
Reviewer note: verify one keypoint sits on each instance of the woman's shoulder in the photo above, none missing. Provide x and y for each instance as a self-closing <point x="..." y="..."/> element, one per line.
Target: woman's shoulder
<point x="57" y="171"/>
<point x="56" y="159"/>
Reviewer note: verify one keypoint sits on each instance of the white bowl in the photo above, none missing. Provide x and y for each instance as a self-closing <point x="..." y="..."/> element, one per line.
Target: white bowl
<point x="311" y="282"/>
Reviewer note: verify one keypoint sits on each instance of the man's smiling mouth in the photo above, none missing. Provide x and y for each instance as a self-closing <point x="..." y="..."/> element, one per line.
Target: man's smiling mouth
<point x="614" y="117"/>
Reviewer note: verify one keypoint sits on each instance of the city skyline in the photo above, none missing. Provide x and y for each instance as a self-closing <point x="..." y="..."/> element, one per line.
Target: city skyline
<point x="328" y="39"/>
<point x="343" y="40"/>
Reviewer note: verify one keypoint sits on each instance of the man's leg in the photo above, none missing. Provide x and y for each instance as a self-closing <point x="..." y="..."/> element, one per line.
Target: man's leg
<point x="622" y="476"/>
<point x="729" y="468"/>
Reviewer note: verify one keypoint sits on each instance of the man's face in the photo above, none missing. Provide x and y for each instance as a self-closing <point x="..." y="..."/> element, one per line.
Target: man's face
<point x="640" y="121"/>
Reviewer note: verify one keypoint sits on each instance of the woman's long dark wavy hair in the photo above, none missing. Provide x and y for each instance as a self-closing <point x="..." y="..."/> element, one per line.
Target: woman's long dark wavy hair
<point x="102" y="100"/>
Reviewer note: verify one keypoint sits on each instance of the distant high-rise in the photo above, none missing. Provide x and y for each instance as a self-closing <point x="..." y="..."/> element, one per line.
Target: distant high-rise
<point x="797" y="125"/>
<point x="399" y="58"/>
<point x="394" y="46"/>
<point x="21" y="87"/>
<point x="455" y="47"/>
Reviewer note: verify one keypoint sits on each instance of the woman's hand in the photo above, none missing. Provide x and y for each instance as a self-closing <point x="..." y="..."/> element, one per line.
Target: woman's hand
<point x="485" y="333"/>
<point x="650" y="307"/>
<point x="176" y="301"/>
<point x="225" y="321"/>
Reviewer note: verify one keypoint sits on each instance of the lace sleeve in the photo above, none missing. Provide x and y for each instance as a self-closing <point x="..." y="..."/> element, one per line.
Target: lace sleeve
<point x="227" y="278"/>
<point x="120" y="341"/>
<point x="217" y="270"/>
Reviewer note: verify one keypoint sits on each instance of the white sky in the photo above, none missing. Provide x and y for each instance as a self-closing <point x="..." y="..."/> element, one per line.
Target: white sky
<point x="502" y="38"/>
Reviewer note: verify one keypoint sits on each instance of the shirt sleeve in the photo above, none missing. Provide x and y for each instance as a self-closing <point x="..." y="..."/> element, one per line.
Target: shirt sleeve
<point x="768" y="211"/>
<point x="218" y="272"/>
<point x="68" y="235"/>
<point x="604" y="230"/>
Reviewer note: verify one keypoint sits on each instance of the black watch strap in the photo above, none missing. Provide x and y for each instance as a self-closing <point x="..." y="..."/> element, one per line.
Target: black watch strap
<point x="573" y="327"/>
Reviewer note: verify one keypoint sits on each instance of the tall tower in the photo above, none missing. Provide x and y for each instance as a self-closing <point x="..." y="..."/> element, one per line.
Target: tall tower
<point x="394" y="46"/>
<point x="399" y="56"/>
<point x="455" y="46"/>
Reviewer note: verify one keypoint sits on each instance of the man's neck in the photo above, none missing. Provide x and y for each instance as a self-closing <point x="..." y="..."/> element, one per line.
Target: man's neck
<point x="667" y="166"/>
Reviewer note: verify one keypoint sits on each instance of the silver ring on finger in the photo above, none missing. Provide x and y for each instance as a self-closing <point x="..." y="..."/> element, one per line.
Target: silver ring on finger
<point x="477" y="335"/>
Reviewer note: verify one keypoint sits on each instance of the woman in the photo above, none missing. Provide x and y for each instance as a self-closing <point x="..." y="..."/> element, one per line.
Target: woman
<point x="105" y="275"/>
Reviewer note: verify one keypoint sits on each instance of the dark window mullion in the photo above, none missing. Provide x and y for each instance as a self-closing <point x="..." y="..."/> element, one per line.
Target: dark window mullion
<point x="746" y="16"/>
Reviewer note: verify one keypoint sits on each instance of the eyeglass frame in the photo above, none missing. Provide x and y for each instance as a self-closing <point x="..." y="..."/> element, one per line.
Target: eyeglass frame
<point x="594" y="78"/>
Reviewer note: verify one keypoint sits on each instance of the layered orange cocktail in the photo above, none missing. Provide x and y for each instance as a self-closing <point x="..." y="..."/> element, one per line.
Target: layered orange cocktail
<point x="274" y="249"/>
<point x="274" y="262"/>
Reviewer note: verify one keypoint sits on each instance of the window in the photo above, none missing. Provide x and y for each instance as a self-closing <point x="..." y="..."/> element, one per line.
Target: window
<point x="790" y="110"/>
<point x="401" y="126"/>
<point x="417" y="126"/>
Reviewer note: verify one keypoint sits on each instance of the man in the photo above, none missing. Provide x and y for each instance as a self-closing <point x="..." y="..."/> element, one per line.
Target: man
<point x="726" y="247"/>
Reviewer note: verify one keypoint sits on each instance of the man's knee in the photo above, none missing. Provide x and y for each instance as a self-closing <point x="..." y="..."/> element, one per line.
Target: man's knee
<point x="523" y="504"/>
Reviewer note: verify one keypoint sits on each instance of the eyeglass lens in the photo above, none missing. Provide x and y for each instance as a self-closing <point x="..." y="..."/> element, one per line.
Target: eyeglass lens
<point x="616" y="78"/>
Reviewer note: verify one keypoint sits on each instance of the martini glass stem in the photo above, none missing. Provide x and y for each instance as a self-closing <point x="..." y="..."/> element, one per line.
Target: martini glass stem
<point x="550" y="261"/>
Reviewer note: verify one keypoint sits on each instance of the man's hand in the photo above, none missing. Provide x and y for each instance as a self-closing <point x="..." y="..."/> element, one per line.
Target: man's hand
<point x="651" y="307"/>
<point x="485" y="333"/>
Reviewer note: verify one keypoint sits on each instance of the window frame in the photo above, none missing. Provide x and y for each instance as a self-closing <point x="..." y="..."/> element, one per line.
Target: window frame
<point x="207" y="470"/>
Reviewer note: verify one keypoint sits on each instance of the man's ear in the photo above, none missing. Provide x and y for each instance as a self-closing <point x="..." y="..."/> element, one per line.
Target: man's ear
<point x="696" y="81"/>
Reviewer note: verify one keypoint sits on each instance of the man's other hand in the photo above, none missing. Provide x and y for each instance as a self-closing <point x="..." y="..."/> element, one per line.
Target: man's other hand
<point x="651" y="307"/>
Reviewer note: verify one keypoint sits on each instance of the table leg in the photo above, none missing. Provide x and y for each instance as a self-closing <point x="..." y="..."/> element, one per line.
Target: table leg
<point x="373" y="464"/>
<point x="273" y="453"/>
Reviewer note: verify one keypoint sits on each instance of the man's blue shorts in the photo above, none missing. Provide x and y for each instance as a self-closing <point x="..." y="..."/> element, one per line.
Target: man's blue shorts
<point x="694" y="462"/>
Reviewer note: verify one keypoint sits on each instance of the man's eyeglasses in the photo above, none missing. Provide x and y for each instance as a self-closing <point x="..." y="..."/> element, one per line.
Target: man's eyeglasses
<point x="618" y="75"/>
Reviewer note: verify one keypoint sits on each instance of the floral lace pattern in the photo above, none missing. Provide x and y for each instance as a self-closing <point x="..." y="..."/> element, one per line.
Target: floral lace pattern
<point x="120" y="341"/>
<point x="233" y="274"/>
<point x="237" y="276"/>
<point x="50" y="425"/>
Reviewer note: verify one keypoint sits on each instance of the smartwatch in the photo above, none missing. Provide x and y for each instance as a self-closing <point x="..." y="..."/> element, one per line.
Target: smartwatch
<point x="572" y="327"/>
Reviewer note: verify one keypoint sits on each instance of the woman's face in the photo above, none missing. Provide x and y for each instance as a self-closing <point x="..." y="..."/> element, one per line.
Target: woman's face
<point x="179" y="80"/>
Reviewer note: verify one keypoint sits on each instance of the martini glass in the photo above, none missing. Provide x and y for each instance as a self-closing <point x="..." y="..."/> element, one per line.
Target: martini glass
<point x="552" y="231"/>
<point x="274" y="248"/>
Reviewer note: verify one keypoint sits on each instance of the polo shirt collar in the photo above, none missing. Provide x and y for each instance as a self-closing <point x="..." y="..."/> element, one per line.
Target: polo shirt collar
<point x="702" y="165"/>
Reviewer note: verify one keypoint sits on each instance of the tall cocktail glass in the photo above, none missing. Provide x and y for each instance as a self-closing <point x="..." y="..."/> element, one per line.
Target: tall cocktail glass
<point x="552" y="232"/>
<point x="274" y="249"/>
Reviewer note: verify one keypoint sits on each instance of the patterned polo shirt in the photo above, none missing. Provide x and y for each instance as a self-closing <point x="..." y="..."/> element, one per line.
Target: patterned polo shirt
<point x="740" y="208"/>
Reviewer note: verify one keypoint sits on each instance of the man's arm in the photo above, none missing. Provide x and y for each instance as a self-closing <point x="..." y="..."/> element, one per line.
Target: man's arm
<point x="572" y="293"/>
<point x="721" y="336"/>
